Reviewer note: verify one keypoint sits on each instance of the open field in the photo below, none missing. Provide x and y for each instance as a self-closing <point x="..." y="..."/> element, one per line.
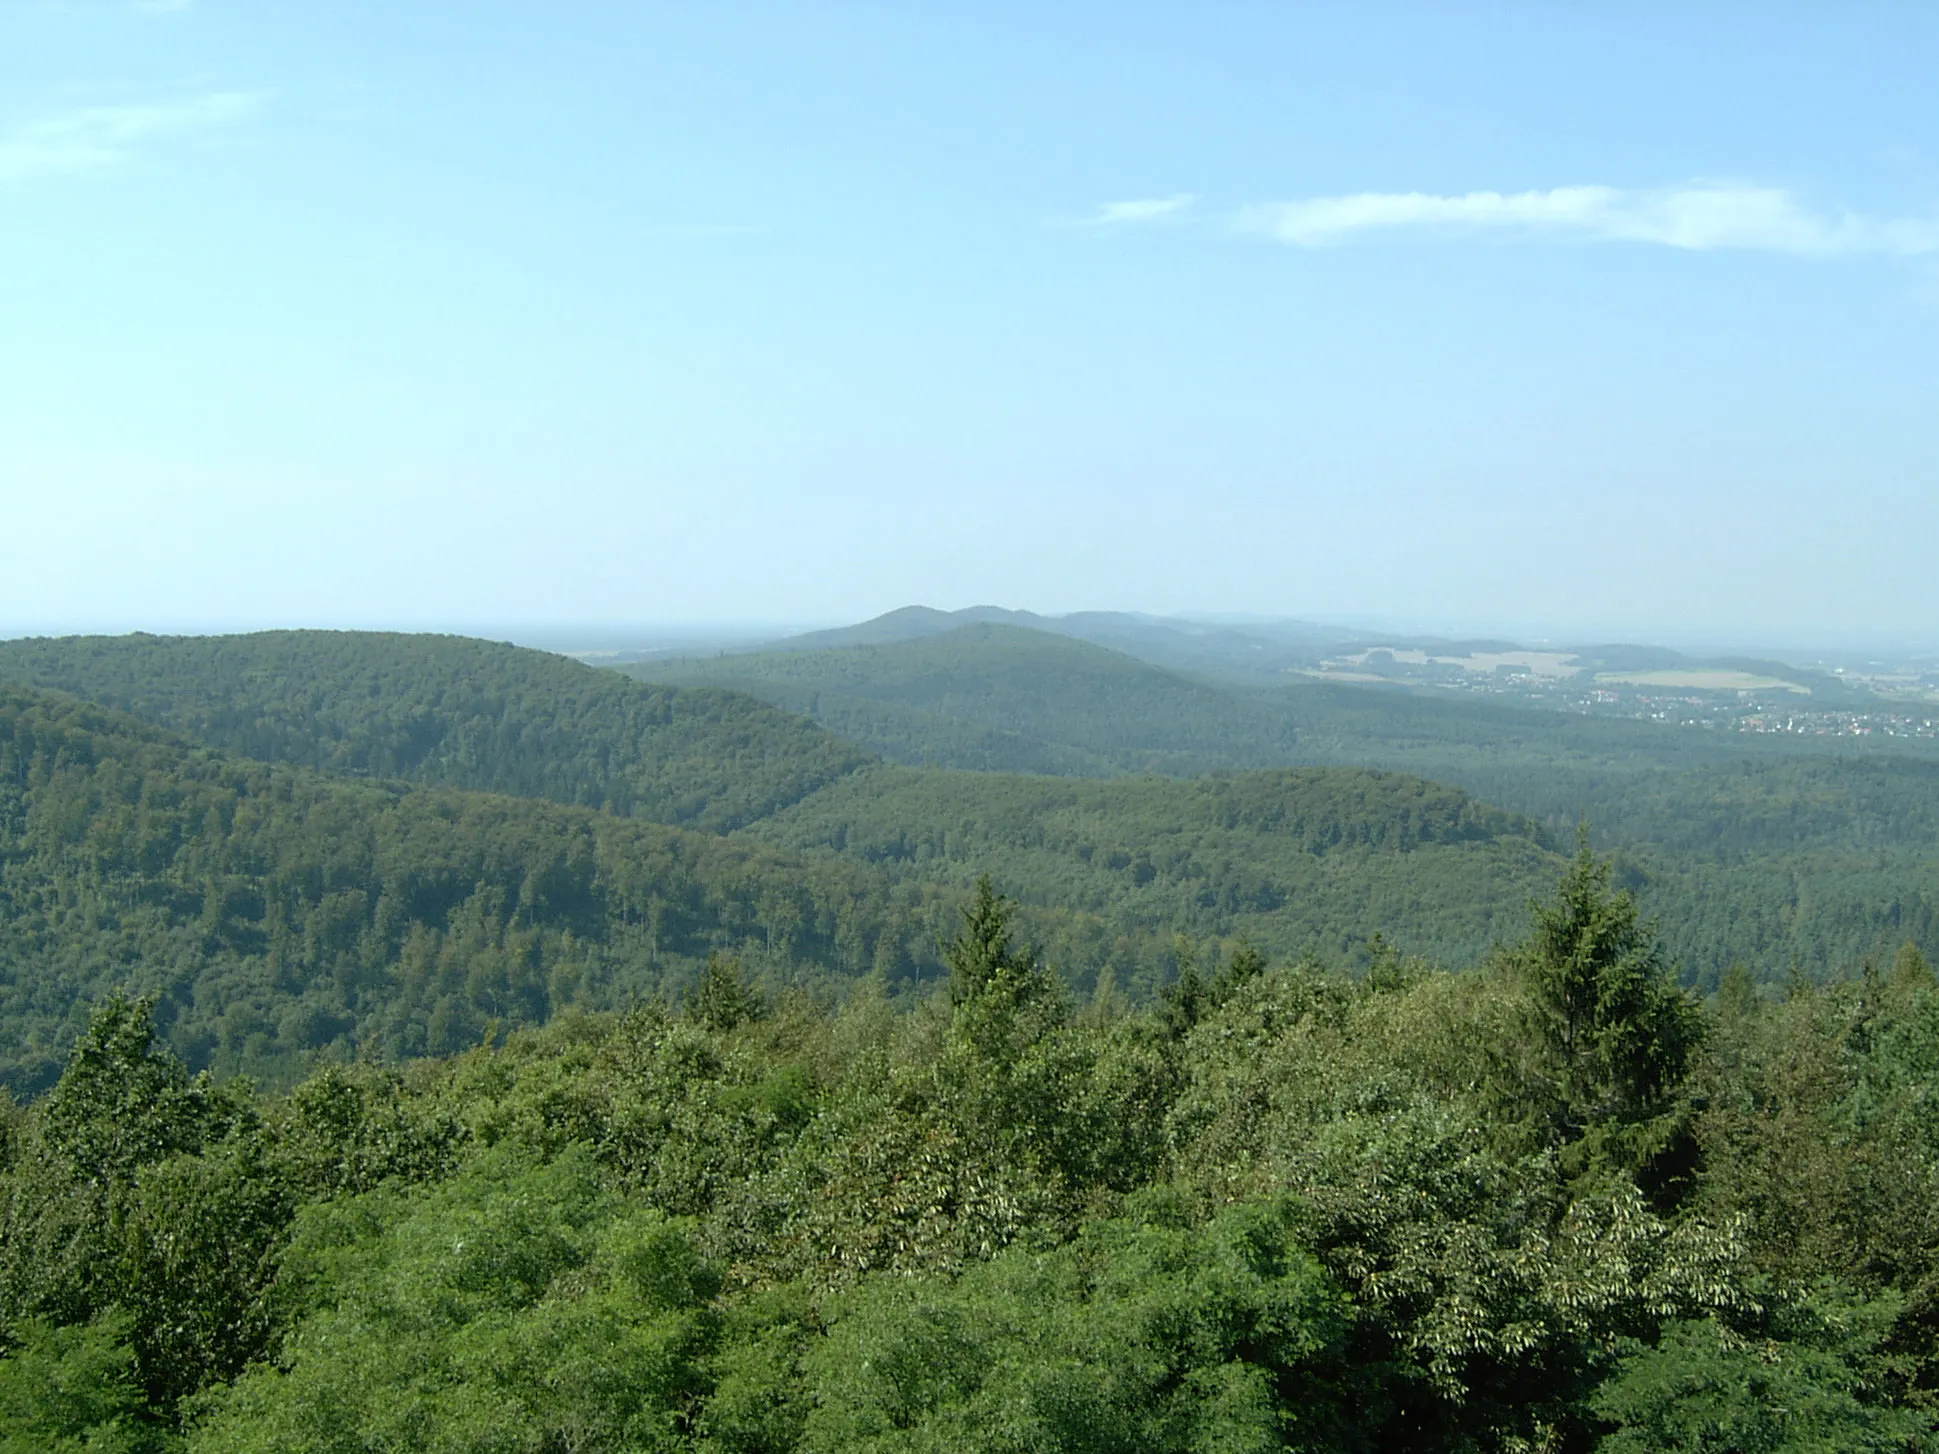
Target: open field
<point x="1331" y="674"/>
<point x="1550" y="664"/>
<point x="1703" y="679"/>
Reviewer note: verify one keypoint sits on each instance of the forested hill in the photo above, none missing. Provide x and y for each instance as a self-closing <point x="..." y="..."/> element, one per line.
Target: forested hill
<point x="1300" y="862"/>
<point x="1316" y="861"/>
<point x="456" y="712"/>
<point x="1002" y="698"/>
<point x="279" y="912"/>
<point x="995" y="697"/>
<point x="1772" y="854"/>
<point x="282" y="912"/>
<point x="983" y="1199"/>
<point x="1784" y="853"/>
<point x="1254" y="653"/>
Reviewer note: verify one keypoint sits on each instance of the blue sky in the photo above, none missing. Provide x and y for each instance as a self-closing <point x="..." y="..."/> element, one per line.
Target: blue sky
<point x="1560" y="318"/>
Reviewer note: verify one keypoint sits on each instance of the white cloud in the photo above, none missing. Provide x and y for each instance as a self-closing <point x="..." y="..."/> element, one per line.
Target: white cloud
<point x="1699" y="216"/>
<point x="97" y="138"/>
<point x="1143" y="209"/>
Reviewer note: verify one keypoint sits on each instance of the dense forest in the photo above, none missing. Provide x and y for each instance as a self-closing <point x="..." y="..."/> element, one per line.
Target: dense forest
<point x="1298" y="862"/>
<point x="278" y="912"/>
<point x="281" y="913"/>
<point x="1553" y="1203"/>
<point x="1819" y="883"/>
<point x="1783" y="853"/>
<point x="423" y="1044"/>
<point x="1784" y="856"/>
<point x="1000" y="698"/>
<point x="452" y="712"/>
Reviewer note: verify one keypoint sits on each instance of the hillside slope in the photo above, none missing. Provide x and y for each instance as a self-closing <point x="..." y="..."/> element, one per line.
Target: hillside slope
<point x="1253" y="653"/>
<point x="1001" y="698"/>
<point x="1303" y="862"/>
<point x="453" y="712"/>
<point x="282" y="913"/>
<point x="1059" y="704"/>
<point x="1745" y="849"/>
<point x="1639" y="784"/>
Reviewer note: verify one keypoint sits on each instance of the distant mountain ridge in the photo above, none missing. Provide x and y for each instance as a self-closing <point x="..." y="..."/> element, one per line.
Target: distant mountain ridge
<point x="1001" y="697"/>
<point x="1738" y="832"/>
<point x="1262" y="653"/>
<point x="1254" y="652"/>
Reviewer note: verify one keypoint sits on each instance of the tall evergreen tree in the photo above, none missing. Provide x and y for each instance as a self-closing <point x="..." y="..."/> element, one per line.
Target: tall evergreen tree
<point x="1615" y="1033"/>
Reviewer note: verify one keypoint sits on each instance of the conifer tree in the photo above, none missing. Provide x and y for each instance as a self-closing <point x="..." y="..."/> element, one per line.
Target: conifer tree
<point x="1618" y="1030"/>
<point x="1614" y="1036"/>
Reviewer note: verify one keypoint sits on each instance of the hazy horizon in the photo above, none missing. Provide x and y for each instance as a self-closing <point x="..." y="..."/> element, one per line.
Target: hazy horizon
<point x="590" y="637"/>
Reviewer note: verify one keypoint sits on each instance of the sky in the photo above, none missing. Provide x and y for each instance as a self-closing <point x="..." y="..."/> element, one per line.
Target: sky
<point x="1610" y="318"/>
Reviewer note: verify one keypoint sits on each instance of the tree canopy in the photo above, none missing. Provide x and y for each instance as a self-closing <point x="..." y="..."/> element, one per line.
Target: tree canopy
<point x="1317" y="1212"/>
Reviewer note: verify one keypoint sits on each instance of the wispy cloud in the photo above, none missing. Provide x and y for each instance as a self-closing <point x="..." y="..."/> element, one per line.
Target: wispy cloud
<point x="98" y="138"/>
<point x="1142" y="209"/>
<point x="1700" y="216"/>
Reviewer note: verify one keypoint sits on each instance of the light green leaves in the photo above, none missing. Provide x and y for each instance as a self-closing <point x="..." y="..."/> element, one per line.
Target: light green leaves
<point x="517" y="1307"/>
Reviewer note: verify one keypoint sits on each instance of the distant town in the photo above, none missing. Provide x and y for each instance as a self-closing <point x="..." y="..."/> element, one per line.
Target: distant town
<point x="1703" y="710"/>
<point x="1822" y="699"/>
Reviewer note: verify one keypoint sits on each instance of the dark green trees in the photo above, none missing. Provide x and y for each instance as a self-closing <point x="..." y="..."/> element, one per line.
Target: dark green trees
<point x="1010" y="1077"/>
<point x="121" y="1104"/>
<point x="999" y="991"/>
<point x="724" y="998"/>
<point x="1613" y="1034"/>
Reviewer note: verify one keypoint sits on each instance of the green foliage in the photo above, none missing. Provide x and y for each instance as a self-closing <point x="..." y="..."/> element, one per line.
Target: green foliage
<point x="1486" y="1275"/>
<point x="452" y="712"/>
<point x="120" y="1104"/>
<point x="517" y="1306"/>
<point x="571" y="1142"/>
<point x="137" y="1191"/>
<point x="278" y="914"/>
<point x="1768" y="853"/>
<point x="1620" y="1033"/>
<point x="984" y="968"/>
<point x="1769" y="850"/>
<point x="1702" y="1388"/>
<point x="349" y="1129"/>
<point x="281" y="915"/>
<point x="72" y="1390"/>
<point x="1821" y="1129"/>
<point x="1615" y="1034"/>
<point x="1190" y="997"/>
<point x="1310" y="1214"/>
<point x="1145" y="1333"/>
<point x="724" y="998"/>
<point x="1297" y="861"/>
